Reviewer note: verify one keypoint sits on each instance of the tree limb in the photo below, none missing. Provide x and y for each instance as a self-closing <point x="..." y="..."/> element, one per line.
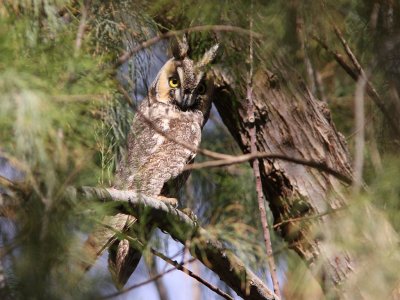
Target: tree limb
<point x="204" y="247"/>
<point x="216" y="28"/>
<point x="154" y="277"/>
<point x="291" y="122"/>
<point x="185" y="270"/>
<point x="323" y="167"/>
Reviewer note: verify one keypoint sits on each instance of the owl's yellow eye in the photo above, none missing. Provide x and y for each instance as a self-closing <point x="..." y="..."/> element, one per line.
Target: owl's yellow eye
<point x="173" y="82"/>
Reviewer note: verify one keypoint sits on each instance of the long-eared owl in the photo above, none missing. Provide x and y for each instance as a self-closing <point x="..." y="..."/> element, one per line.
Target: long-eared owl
<point x="169" y="118"/>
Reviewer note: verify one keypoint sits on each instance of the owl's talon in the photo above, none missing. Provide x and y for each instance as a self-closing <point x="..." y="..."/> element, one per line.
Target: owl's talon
<point x="171" y="201"/>
<point x="187" y="211"/>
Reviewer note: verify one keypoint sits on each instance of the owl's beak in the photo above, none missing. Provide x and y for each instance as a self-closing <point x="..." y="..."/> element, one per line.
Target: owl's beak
<point x="186" y="101"/>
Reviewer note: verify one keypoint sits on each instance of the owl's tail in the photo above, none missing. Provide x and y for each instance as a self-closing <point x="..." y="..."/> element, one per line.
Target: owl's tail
<point x="123" y="259"/>
<point x="122" y="262"/>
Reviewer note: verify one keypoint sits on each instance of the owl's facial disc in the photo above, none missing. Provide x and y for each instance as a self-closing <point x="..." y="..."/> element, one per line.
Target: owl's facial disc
<point x="183" y="84"/>
<point x="179" y="84"/>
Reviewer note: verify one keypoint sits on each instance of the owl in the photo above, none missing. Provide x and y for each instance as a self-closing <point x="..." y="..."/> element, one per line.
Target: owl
<point x="176" y="108"/>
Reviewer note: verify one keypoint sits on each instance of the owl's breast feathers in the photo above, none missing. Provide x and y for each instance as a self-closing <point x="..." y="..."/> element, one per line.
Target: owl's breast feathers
<point x="153" y="158"/>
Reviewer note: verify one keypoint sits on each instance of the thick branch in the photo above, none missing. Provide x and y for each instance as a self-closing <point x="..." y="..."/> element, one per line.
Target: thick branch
<point x="291" y="122"/>
<point x="204" y="247"/>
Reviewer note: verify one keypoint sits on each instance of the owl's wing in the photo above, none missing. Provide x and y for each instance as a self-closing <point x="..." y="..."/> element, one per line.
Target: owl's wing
<point x="141" y="144"/>
<point x="169" y="158"/>
<point x="155" y="158"/>
<point x="171" y="188"/>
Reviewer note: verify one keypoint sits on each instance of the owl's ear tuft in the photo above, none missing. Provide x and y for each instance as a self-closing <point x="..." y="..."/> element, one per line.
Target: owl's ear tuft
<point x="180" y="47"/>
<point x="208" y="57"/>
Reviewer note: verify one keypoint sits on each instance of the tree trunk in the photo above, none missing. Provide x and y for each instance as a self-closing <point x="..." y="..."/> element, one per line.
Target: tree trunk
<point x="291" y="122"/>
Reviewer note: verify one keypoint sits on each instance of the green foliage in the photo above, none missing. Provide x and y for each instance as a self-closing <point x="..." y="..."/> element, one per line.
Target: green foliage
<point x="385" y="191"/>
<point x="64" y="122"/>
<point x="52" y="97"/>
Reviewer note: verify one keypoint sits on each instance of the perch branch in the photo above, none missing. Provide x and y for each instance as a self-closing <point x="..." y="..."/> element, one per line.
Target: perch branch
<point x="205" y="247"/>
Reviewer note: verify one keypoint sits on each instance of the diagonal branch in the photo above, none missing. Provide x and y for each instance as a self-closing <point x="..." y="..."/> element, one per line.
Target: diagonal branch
<point x="185" y="270"/>
<point x="222" y="159"/>
<point x="355" y="71"/>
<point x="370" y="88"/>
<point x="250" y="156"/>
<point x="204" y="247"/>
<point x="153" y="278"/>
<point x="220" y="28"/>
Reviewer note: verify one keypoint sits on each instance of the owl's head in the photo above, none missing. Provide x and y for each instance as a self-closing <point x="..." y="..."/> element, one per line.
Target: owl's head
<point x="181" y="82"/>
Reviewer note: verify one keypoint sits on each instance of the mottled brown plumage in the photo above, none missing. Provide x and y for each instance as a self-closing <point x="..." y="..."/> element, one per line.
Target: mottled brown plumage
<point x="178" y="105"/>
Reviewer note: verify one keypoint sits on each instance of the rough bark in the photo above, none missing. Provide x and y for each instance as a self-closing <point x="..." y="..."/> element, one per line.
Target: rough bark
<point x="203" y="246"/>
<point x="289" y="121"/>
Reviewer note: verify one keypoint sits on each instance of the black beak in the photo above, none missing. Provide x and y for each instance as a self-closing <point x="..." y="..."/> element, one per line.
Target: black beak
<point x="186" y="101"/>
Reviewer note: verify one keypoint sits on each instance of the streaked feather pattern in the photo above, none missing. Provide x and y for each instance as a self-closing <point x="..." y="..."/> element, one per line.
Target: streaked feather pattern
<point x="154" y="164"/>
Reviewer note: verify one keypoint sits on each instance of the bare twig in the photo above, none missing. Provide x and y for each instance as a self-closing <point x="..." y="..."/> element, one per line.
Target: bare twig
<point x="82" y="25"/>
<point x="247" y="157"/>
<point x="138" y="244"/>
<point x="348" y="51"/>
<point x="338" y="57"/>
<point x="222" y="159"/>
<point x="355" y="71"/>
<point x="191" y="274"/>
<point x="302" y="38"/>
<point x="7" y="183"/>
<point x="360" y="136"/>
<point x="256" y="168"/>
<point x="147" y="281"/>
<point x="370" y="88"/>
<point x="312" y="217"/>
<point x="220" y="28"/>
